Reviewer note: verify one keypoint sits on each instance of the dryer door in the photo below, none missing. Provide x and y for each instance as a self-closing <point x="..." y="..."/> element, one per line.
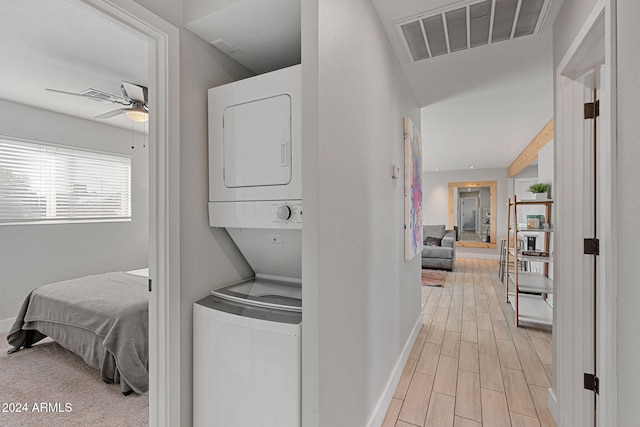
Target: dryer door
<point x="257" y="143"/>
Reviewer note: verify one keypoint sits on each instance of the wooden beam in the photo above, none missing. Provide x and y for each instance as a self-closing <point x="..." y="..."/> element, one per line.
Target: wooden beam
<point x="531" y="152"/>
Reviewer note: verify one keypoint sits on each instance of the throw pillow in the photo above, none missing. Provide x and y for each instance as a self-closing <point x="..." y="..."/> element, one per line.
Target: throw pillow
<point x="436" y="231"/>
<point x="432" y="241"/>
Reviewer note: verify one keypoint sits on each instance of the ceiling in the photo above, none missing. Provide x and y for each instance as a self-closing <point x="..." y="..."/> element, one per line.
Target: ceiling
<point x="54" y="44"/>
<point x="262" y="35"/>
<point x="482" y="106"/>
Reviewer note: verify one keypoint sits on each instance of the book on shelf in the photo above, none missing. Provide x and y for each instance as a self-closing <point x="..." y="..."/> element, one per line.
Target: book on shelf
<point x="535" y="253"/>
<point x="535" y="221"/>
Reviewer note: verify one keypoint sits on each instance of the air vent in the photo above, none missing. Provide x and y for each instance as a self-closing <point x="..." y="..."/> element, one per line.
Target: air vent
<point x="476" y="23"/>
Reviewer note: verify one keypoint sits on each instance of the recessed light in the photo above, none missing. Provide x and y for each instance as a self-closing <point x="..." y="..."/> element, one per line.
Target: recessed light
<point x="471" y="167"/>
<point x="437" y="170"/>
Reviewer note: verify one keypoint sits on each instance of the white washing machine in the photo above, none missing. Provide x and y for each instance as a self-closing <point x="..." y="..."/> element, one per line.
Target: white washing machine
<point x="247" y="355"/>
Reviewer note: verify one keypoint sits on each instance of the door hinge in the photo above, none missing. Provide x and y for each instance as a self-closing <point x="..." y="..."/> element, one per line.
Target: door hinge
<point x="149" y="285"/>
<point x="591" y="382"/>
<point x="592" y="246"/>
<point x="591" y="110"/>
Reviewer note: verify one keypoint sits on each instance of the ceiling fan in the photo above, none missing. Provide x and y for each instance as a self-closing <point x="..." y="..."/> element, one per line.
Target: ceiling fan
<point x="134" y="99"/>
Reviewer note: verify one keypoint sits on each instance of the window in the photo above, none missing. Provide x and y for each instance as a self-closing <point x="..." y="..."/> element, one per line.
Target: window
<point x="47" y="183"/>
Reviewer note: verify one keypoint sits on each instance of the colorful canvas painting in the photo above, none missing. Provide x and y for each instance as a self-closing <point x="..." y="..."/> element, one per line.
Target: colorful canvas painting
<point x="412" y="190"/>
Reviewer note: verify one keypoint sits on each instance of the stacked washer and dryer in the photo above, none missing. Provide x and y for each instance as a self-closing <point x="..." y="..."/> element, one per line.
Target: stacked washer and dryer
<point x="247" y="335"/>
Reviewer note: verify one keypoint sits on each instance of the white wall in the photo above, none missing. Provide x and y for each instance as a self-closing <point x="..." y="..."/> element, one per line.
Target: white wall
<point x="628" y="212"/>
<point x="546" y="165"/>
<point x="568" y="22"/>
<point x="361" y="299"/>
<point x="530" y="171"/>
<point x="34" y="255"/>
<point x="436" y="203"/>
<point x="208" y="257"/>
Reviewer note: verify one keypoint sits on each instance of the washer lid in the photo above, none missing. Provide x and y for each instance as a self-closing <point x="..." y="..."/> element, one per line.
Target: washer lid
<point x="264" y="293"/>
<point x="252" y="311"/>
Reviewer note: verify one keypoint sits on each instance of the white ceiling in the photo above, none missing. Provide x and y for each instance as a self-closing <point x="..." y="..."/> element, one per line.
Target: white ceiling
<point x="489" y="123"/>
<point x="262" y="35"/>
<point x="54" y="44"/>
<point x="482" y="106"/>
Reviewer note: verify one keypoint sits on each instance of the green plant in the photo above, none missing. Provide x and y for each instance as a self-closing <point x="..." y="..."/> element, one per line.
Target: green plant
<point x="539" y="187"/>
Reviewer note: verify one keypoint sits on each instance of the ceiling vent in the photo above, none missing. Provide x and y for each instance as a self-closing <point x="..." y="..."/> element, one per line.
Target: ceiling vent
<point x="472" y="24"/>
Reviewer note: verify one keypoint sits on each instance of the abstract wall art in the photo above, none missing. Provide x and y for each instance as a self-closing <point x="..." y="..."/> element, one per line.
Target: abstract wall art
<point x="412" y="190"/>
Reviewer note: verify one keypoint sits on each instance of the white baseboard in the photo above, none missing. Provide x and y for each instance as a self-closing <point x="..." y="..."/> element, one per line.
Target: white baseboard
<point x="380" y="410"/>
<point x="5" y="325"/>
<point x="552" y="404"/>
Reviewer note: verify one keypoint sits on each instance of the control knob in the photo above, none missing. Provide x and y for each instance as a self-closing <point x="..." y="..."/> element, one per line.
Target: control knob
<point x="283" y="213"/>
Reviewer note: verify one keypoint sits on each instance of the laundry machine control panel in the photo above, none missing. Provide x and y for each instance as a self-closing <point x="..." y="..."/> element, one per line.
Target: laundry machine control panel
<point x="286" y="212"/>
<point x="256" y="214"/>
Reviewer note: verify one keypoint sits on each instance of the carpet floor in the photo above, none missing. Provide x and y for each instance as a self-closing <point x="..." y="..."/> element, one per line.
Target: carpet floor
<point x="433" y="277"/>
<point x="48" y="385"/>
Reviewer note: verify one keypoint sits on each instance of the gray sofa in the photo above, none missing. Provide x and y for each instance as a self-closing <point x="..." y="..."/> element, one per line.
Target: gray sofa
<point x="439" y="250"/>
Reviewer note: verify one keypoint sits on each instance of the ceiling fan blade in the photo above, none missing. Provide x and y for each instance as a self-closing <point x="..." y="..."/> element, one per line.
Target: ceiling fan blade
<point x="94" y="95"/>
<point x="110" y="114"/>
<point x="124" y="94"/>
<point x="67" y="93"/>
<point x="134" y="92"/>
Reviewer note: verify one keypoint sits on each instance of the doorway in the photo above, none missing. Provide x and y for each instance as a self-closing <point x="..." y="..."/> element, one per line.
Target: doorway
<point x="164" y="195"/>
<point x="468" y="213"/>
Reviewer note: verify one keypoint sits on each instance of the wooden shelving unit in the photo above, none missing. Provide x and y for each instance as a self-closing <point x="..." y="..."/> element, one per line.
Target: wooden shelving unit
<point x="528" y="292"/>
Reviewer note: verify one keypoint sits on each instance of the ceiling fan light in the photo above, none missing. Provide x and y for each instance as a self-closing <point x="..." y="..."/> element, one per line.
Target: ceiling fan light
<point x="137" y="115"/>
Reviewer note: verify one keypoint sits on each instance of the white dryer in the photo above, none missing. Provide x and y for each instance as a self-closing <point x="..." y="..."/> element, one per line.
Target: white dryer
<point x="255" y="152"/>
<point x="255" y="174"/>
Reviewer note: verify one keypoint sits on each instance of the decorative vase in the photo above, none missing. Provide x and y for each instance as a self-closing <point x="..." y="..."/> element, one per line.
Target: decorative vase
<point x="541" y="196"/>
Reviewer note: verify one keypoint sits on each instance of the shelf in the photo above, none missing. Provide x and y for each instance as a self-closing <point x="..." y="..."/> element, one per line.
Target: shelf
<point x="532" y="290"/>
<point x="532" y="282"/>
<point x="544" y="259"/>
<point x="532" y="308"/>
<point x="531" y="258"/>
<point x="533" y="202"/>
<point x="533" y="230"/>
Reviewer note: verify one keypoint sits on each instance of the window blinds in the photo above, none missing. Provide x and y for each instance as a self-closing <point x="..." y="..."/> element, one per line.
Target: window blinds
<point x="42" y="182"/>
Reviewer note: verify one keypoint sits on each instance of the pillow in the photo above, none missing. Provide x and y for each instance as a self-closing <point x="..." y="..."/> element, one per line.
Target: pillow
<point x="436" y="231"/>
<point x="432" y="241"/>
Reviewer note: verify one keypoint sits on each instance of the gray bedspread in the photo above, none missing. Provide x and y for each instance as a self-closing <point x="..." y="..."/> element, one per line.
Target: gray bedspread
<point x="103" y="318"/>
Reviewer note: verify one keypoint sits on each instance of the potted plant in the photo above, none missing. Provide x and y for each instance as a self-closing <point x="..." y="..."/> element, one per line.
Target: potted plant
<point x="540" y="190"/>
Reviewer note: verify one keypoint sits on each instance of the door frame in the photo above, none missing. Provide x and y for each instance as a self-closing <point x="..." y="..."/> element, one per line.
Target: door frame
<point x="569" y="403"/>
<point x="475" y="220"/>
<point x="164" y="197"/>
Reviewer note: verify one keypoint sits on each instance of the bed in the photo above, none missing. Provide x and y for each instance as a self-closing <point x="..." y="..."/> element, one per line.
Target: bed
<point x="103" y="318"/>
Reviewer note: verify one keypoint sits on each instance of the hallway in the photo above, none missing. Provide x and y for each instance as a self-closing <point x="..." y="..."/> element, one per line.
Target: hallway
<point x="470" y="366"/>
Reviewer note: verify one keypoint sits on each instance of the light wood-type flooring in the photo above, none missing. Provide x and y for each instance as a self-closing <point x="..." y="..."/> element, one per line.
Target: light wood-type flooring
<point x="470" y="365"/>
<point x="469" y="236"/>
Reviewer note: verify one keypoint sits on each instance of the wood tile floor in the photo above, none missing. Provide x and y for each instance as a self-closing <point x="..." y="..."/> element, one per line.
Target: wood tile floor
<point x="469" y="236"/>
<point x="470" y="365"/>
